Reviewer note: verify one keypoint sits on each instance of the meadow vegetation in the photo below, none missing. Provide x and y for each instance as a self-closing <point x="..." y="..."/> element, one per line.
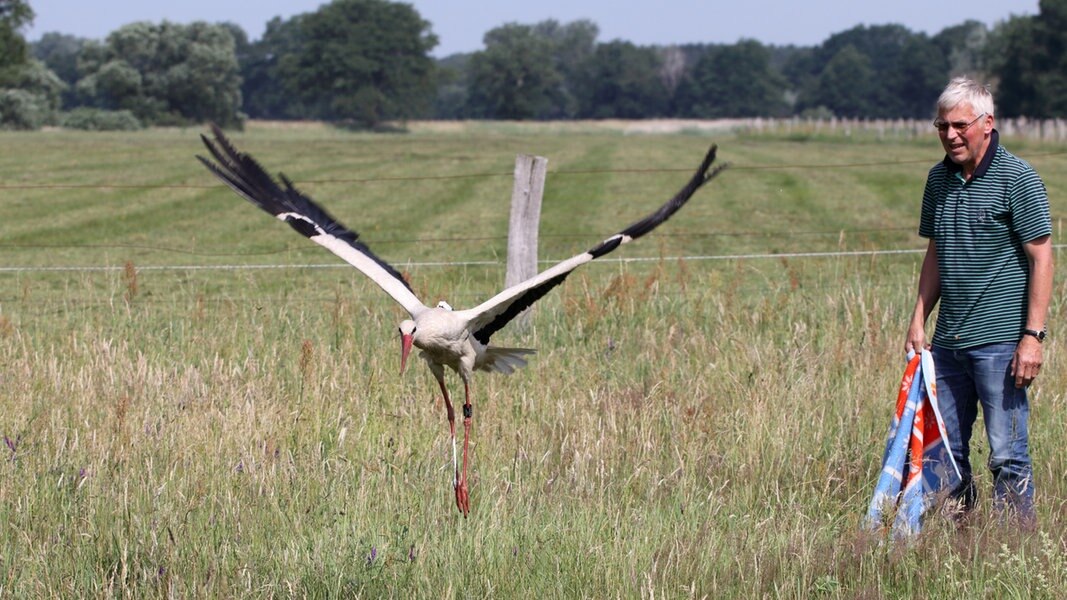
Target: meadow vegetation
<point x="196" y="402"/>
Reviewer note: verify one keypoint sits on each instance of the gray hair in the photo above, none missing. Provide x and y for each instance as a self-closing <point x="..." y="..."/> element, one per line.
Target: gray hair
<point x="962" y="90"/>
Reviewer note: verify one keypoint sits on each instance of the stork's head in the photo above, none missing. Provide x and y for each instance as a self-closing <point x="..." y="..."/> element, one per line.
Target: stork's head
<point x="407" y="336"/>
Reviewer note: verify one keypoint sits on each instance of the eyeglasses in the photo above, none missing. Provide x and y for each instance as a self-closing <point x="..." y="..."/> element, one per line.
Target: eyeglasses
<point x="960" y="126"/>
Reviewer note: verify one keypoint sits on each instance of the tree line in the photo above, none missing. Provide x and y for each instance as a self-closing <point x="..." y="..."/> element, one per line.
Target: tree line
<point x="366" y="63"/>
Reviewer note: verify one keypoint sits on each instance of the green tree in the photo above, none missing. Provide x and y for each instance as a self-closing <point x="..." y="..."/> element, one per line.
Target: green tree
<point x="877" y="71"/>
<point x="1011" y="55"/>
<point x="572" y="46"/>
<point x="14" y="15"/>
<point x="450" y="100"/>
<point x="918" y="77"/>
<point x="515" y="76"/>
<point x="672" y="67"/>
<point x="264" y="92"/>
<point x="117" y="85"/>
<point x="530" y="71"/>
<point x="360" y="61"/>
<point x="165" y="73"/>
<point x="29" y="92"/>
<point x="733" y="81"/>
<point x="846" y="85"/>
<point x="38" y="79"/>
<point x="60" y="52"/>
<point x="1052" y="63"/>
<point x="34" y="98"/>
<point x="1027" y="56"/>
<point x="622" y="81"/>
<point x="964" y="46"/>
<point x="801" y="69"/>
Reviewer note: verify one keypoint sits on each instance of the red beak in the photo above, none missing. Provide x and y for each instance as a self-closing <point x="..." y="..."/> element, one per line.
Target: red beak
<point x="405" y="349"/>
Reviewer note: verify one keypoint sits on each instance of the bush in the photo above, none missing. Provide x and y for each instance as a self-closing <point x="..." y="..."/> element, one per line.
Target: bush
<point x="95" y="119"/>
<point x="21" y="109"/>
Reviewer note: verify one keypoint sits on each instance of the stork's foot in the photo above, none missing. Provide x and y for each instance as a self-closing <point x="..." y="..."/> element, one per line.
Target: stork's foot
<point x="463" y="497"/>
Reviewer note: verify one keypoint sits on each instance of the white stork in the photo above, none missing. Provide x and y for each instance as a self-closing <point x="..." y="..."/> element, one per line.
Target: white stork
<point x="458" y="339"/>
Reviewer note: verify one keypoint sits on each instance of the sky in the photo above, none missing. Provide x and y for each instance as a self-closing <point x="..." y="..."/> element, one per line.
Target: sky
<point x="460" y="24"/>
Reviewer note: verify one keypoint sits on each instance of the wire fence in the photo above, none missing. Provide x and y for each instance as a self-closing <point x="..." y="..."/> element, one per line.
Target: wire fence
<point x="470" y="263"/>
<point x="182" y="287"/>
<point x="823" y="273"/>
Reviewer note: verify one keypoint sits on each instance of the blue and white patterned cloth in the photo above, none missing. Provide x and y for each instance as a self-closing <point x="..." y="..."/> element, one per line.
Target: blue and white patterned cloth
<point x="918" y="462"/>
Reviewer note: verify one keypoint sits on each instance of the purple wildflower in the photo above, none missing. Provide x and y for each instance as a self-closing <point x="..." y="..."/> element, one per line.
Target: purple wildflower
<point x="10" y="444"/>
<point x="411" y="554"/>
<point x="373" y="555"/>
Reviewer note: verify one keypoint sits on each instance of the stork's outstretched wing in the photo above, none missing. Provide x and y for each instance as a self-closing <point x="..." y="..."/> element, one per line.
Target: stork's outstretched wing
<point x="493" y="314"/>
<point x="242" y="173"/>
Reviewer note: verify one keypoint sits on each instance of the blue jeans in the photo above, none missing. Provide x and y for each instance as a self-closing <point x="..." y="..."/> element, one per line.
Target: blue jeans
<point x="982" y="375"/>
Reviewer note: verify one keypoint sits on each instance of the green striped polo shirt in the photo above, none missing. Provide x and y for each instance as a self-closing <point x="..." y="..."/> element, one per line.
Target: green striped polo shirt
<point x="979" y="227"/>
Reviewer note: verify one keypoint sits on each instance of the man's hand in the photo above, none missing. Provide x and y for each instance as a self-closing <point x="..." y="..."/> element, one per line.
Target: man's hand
<point x="916" y="340"/>
<point x="1026" y="363"/>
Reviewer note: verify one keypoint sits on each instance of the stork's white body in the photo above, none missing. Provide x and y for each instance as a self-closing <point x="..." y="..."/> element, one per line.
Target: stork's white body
<point x="444" y="338"/>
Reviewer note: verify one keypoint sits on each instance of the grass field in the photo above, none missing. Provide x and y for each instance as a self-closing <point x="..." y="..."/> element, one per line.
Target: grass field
<point x="190" y="410"/>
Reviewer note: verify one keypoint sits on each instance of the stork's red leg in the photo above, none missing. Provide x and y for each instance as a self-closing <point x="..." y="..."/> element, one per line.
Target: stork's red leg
<point x="463" y="499"/>
<point x="451" y="428"/>
<point x="448" y="407"/>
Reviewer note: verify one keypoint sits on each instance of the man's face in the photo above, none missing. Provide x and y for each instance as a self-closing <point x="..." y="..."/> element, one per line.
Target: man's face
<point x="964" y="134"/>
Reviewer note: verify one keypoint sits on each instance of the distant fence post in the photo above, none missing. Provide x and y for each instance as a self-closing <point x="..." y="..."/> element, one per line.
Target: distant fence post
<point x="523" y="224"/>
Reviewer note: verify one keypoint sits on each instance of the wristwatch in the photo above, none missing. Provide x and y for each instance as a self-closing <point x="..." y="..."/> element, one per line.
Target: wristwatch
<point x="1040" y="335"/>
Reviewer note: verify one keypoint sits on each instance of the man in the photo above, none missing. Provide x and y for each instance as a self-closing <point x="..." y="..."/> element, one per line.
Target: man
<point x="989" y="262"/>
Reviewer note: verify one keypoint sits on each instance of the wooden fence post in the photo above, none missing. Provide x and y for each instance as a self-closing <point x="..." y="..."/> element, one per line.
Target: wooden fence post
<point x="523" y="224"/>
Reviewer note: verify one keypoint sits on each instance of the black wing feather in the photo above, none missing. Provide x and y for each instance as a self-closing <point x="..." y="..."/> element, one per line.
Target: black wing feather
<point x="248" y="178"/>
<point x="522" y="303"/>
<point x="518" y="298"/>
<point x="664" y="212"/>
